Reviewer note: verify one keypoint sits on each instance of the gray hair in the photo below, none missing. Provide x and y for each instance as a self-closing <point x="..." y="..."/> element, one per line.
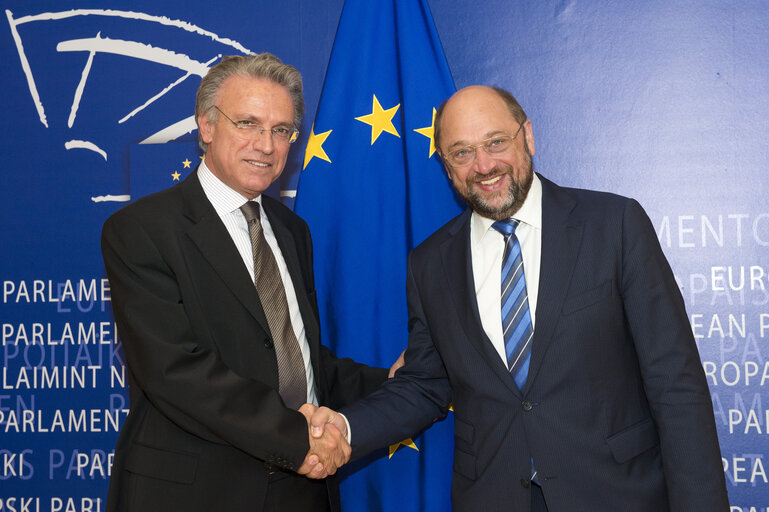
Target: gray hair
<point x="262" y="65"/>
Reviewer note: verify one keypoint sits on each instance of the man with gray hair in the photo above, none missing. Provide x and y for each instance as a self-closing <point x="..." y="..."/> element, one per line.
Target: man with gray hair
<point x="213" y="293"/>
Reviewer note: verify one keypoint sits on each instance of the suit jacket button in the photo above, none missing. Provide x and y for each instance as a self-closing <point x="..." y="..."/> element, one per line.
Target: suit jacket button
<point x="527" y="405"/>
<point x="525" y="483"/>
<point x="268" y="343"/>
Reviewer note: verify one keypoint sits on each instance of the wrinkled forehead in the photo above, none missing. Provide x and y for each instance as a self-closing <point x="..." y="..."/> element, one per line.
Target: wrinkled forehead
<point x="473" y="114"/>
<point x="256" y="98"/>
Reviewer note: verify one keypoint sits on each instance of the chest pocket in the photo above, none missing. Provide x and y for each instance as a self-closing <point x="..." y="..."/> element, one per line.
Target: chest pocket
<point x="586" y="299"/>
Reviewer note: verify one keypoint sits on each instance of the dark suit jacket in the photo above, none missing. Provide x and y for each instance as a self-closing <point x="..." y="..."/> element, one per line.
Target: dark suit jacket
<point x="205" y="414"/>
<point x="616" y="412"/>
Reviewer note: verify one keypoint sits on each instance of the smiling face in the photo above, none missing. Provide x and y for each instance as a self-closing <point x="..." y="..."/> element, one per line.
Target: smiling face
<point x="247" y="163"/>
<point x="496" y="185"/>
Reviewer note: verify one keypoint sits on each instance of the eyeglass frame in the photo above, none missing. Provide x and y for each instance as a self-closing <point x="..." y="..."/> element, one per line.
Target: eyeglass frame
<point x="484" y="144"/>
<point x="245" y="128"/>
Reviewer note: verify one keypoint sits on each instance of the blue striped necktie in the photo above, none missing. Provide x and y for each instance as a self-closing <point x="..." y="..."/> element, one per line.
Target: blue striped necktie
<point x="516" y="317"/>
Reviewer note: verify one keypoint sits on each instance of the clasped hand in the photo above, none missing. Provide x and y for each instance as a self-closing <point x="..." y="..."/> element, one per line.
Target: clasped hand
<point x="329" y="449"/>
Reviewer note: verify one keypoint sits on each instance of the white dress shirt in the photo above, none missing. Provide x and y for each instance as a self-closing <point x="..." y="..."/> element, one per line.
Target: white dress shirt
<point x="487" y="246"/>
<point x="227" y="204"/>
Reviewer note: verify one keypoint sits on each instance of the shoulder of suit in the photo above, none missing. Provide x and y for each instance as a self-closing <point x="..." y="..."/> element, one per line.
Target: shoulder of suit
<point x="156" y="205"/>
<point x="586" y="200"/>
<point x="446" y="231"/>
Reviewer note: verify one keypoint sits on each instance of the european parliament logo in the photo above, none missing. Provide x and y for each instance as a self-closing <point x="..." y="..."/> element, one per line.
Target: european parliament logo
<point x="100" y="80"/>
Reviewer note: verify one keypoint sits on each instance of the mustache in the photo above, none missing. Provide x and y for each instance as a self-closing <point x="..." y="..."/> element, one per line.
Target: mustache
<point x="477" y="178"/>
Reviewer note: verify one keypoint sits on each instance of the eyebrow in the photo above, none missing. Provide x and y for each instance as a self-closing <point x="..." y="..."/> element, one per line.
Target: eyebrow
<point x="255" y="119"/>
<point x="487" y="136"/>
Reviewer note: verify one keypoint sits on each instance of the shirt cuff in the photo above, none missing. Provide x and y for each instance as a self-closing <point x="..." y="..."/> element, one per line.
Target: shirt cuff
<point x="349" y="432"/>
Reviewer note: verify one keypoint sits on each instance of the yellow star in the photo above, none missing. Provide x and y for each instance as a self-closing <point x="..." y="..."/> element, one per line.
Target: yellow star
<point x="451" y="407"/>
<point x="187" y="162"/>
<point x="380" y="120"/>
<point x="428" y="132"/>
<point x="315" y="147"/>
<point x="408" y="443"/>
<point x="175" y="176"/>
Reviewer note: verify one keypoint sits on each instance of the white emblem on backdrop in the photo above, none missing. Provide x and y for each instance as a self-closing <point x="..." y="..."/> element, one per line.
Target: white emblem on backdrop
<point x="99" y="44"/>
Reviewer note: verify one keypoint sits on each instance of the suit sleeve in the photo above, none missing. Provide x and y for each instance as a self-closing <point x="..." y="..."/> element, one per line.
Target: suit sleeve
<point x="672" y="373"/>
<point x="349" y="381"/>
<point x="417" y="396"/>
<point x="178" y="369"/>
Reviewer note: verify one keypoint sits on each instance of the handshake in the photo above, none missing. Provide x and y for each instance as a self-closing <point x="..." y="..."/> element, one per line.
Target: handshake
<point x="329" y="449"/>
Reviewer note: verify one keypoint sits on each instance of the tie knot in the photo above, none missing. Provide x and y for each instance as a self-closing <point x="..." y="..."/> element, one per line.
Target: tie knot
<point x="506" y="227"/>
<point x="250" y="210"/>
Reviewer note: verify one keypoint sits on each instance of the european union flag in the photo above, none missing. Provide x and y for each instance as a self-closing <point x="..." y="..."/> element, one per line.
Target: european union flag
<point x="371" y="189"/>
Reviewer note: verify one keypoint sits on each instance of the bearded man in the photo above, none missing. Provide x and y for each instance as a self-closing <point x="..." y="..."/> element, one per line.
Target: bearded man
<point x="550" y="318"/>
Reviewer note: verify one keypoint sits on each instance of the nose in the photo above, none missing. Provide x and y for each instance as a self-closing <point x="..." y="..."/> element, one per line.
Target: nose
<point x="262" y="141"/>
<point x="483" y="162"/>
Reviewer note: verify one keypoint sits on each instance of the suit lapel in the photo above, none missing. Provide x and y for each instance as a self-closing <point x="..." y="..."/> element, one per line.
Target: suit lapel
<point x="215" y="244"/>
<point x="561" y="234"/>
<point x="458" y="272"/>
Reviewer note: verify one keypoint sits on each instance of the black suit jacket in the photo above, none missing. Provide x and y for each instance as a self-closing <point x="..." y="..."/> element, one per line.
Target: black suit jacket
<point x="205" y="415"/>
<point x="615" y="413"/>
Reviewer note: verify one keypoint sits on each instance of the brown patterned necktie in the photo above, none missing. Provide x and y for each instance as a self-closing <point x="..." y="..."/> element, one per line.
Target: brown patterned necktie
<point x="291" y="375"/>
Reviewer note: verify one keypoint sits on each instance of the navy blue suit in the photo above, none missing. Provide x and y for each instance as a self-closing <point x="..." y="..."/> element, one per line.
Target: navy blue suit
<point x="616" y="412"/>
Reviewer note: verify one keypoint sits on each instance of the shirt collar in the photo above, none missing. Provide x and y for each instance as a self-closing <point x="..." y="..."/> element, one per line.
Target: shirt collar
<point x="530" y="213"/>
<point x="224" y="199"/>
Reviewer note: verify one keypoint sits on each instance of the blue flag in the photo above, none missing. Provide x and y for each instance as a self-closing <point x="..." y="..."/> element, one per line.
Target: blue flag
<point x="372" y="188"/>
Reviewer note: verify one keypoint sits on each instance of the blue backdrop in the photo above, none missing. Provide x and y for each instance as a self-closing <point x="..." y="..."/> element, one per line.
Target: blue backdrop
<point x="663" y="101"/>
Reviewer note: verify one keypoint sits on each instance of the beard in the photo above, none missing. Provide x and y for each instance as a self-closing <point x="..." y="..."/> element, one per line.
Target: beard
<point x="513" y="198"/>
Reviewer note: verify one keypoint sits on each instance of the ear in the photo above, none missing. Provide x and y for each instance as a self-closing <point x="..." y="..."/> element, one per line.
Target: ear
<point x="206" y="128"/>
<point x="529" y="136"/>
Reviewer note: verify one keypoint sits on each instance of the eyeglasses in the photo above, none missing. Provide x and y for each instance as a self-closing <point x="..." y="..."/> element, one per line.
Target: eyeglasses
<point x="250" y="129"/>
<point x="496" y="145"/>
